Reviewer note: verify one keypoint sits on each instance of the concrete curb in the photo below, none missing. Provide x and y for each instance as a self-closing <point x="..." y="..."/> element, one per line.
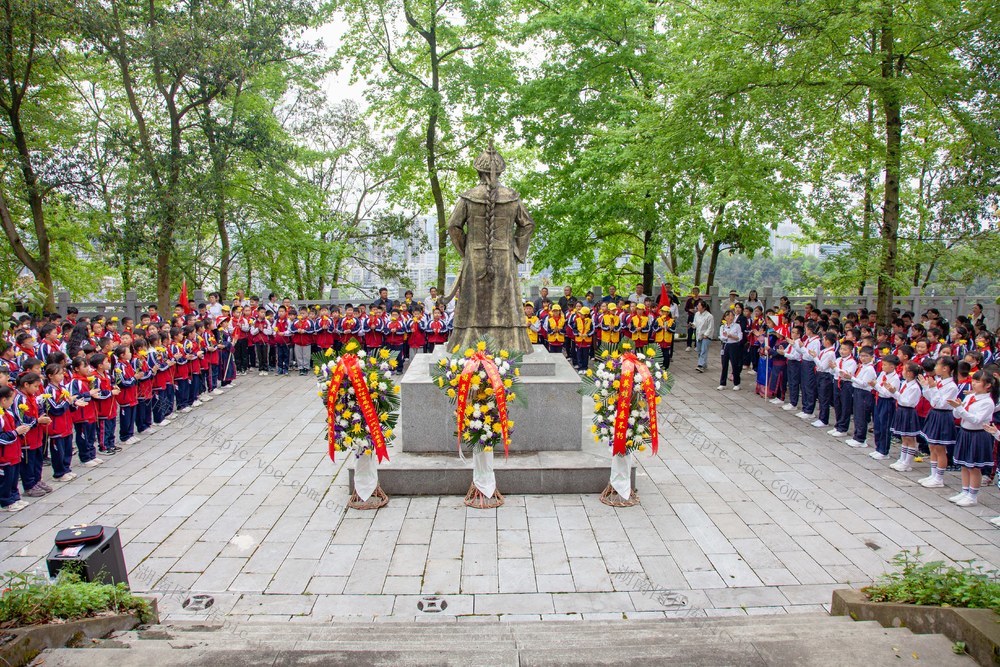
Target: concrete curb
<point x="978" y="628"/>
<point x="21" y="645"/>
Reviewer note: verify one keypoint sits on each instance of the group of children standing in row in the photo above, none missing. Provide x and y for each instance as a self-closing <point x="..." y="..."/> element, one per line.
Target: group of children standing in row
<point x="931" y="385"/>
<point x="70" y="384"/>
<point x="582" y="330"/>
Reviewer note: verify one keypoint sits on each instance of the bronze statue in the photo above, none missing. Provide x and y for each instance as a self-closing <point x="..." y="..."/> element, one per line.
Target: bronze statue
<point x="491" y="229"/>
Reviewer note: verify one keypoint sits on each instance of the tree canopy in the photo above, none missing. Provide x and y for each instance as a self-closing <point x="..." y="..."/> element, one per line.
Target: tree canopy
<point x="153" y="142"/>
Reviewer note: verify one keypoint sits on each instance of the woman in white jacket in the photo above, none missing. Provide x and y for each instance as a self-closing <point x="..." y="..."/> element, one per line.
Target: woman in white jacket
<point x="704" y="325"/>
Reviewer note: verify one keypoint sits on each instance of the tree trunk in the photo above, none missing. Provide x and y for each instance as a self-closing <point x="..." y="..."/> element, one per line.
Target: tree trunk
<point x="647" y="263"/>
<point x="893" y="138"/>
<point x="868" y="213"/>
<point x="713" y="262"/>
<point x="699" y="253"/>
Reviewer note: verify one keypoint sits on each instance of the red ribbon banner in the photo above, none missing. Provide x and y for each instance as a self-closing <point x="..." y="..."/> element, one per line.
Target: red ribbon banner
<point x="348" y="365"/>
<point x="632" y="366"/>
<point x="471" y="367"/>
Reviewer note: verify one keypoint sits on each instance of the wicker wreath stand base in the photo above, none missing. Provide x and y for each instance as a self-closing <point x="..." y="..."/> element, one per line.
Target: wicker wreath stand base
<point x="376" y="500"/>
<point x="475" y="499"/>
<point x="610" y="497"/>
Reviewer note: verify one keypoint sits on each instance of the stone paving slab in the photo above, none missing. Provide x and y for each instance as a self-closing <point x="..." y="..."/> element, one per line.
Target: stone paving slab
<point x="746" y="510"/>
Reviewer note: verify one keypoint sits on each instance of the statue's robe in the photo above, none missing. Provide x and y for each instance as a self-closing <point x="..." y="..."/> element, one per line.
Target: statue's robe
<point x="489" y="296"/>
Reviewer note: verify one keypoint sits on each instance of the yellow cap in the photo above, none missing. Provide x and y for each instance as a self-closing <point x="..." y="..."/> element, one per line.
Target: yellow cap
<point x="585" y="311"/>
<point x="226" y="308"/>
<point x="556" y="306"/>
<point x="612" y="307"/>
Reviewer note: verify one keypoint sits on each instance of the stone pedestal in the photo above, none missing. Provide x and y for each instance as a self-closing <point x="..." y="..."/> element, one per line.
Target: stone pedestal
<point x="547" y="413"/>
<point x="551" y="451"/>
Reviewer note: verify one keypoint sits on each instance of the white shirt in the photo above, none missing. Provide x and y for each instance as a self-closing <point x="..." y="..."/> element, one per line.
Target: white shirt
<point x="813" y="345"/>
<point x="863" y="376"/>
<point x="975" y="411"/>
<point x="430" y="303"/>
<point x="704" y="322"/>
<point x="940" y="393"/>
<point x="794" y="350"/>
<point x="908" y="395"/>
<point x="637" y="298"/>
<point x="845" y="368"/>
<point x="886" y="381"/>
<point x="730" y="333"/>
<point x="827" y="361"/>
<point x="215" y="309"/>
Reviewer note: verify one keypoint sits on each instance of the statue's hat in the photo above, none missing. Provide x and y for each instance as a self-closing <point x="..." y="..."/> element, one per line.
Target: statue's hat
<point x="490" y="161"/>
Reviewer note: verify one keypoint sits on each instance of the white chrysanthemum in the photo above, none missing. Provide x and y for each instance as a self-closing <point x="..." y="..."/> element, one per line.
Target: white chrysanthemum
<point x="361" y="354"/>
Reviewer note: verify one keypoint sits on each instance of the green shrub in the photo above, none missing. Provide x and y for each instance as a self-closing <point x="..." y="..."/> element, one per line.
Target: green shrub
<point x="28" y="599"/>
<point x="936" y="584"/>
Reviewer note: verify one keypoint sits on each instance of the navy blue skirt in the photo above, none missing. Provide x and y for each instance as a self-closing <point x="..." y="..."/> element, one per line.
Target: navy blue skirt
<point x="973" y="449"/>
<point x="939" y="428"/>
<point x="905" y="422"/>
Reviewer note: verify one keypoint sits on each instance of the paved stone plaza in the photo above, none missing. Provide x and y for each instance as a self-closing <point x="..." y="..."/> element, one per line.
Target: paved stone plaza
<point x="747" y="510"/>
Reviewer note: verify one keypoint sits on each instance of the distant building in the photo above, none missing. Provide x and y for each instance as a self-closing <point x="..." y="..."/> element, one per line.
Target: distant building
<point x="787" y="239"/>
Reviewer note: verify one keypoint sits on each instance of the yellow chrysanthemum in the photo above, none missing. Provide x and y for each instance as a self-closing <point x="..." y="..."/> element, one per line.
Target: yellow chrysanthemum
<point x="626" y="346"/>
<point x="395" y="389"/>
<point x="451" y="393"/>
<point x="357" y="428"/>
<point x="481" y="346"/>
<point x="488" y="420"/>
<point x="329" y="352"/>
<point x="487" y="448"/>
<point x="650" y="351"/>
<point x="504" y="354"/>
<point x="383" y="353"/>
<point x="517" y="372"/>
<point x="388" y="433"/>
<point x="469" y="409"/>
<point x="441" y="381"/>
<point x="589" y="373"/>
<point x="384" y="417"/>
<point x="593" y="428"/>
<point x="615" y="355"/>
<point x="393" y="364"/>
<point x="469" y="352"/>
<point x="351" y="346"/>
<point x="497" y="428"/>
<point x="476" y="380"/>
<point x="508" y="383"/>
<point x="348" y="440"/>
<point x="616" y="384"/>
<point x="604" y="354"/>
<point x="454" y="349"/>
<point x="642" y="448"/>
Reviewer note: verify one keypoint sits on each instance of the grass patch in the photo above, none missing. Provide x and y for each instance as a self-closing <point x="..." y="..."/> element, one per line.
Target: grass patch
<point x="28" y="599"/>
<point x="937" y="584"/>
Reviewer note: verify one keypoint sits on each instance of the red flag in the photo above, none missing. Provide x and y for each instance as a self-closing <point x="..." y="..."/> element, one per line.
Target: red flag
<point x="664" y="297"/>
<point x="183" y="300"/>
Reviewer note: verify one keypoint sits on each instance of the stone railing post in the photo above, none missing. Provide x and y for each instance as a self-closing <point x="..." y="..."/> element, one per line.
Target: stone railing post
<point x="869" y="297"/>
<point x="62" y="302"/>
<point x="767" y="297"/>
<point x="131" y="307"/>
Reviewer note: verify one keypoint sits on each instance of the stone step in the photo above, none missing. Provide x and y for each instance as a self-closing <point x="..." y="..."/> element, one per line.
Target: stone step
<point x="400" y="657"/>
<point x="873" y="649"/>
<point x="521" y="473"/>
<point x="536" y="626"/>
<point x="388" y="639"/>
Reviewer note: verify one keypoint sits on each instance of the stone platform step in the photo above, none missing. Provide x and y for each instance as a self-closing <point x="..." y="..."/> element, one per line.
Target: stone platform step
<point x="407" y="474"/>
<point x="773" y="640"/>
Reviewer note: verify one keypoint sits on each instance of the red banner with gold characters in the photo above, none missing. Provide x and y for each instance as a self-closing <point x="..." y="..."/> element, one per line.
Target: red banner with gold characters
<point x="348" y="365"/>
<point x="632" y="366"/>
<point x="472" y="365"/>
